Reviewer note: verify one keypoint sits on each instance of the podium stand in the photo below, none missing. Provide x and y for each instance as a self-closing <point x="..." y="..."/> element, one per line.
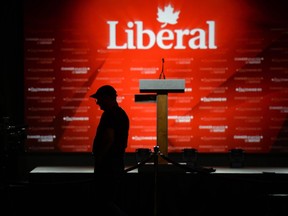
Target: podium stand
<point x="161" y="87"/>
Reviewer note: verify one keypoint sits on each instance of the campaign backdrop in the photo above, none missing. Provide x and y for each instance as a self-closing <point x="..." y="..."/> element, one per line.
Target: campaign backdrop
<point x="233" y="56"/>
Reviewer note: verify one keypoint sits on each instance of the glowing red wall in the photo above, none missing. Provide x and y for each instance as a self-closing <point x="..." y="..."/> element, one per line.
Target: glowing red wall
<point x="232" y="55"/>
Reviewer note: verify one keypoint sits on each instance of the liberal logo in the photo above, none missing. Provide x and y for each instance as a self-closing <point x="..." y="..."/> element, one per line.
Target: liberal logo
<point x="195" y="38"/>
<point x="167" y="16"/>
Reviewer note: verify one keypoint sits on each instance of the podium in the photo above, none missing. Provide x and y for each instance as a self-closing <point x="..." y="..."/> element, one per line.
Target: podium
<point x="160" y="89"/>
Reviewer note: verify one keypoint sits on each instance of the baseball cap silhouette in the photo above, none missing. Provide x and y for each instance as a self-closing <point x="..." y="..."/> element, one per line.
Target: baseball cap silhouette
<point x="105" y="90"/>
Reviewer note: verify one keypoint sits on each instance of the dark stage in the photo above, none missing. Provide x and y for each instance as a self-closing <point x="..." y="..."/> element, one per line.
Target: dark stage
<point x="227" y="191"/>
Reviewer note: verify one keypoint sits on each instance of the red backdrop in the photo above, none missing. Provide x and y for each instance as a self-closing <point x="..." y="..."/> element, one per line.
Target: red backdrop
<point x="232" y="55"/>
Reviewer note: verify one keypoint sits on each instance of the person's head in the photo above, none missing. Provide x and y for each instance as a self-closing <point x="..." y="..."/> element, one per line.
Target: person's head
<point x="105" y="97"/>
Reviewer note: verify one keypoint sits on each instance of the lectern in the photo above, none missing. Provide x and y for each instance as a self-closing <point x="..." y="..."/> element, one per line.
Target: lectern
<point x="161" y="87"/>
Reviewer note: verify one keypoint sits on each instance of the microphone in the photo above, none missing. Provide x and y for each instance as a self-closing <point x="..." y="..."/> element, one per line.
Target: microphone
<point x="162" y="71"/>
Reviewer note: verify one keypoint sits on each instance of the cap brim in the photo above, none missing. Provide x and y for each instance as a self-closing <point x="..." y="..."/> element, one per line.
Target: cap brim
<point x="93" y="95"/>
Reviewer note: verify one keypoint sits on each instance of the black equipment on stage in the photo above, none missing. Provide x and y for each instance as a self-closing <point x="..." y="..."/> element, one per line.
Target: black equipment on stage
<point x="12" y="139"/>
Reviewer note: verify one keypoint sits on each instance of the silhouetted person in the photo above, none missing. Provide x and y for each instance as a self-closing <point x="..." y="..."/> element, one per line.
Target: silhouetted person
<point x="108" y="150"/>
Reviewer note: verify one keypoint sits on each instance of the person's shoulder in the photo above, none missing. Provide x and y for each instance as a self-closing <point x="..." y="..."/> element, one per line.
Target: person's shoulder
<point x="118" y="111"/>
<point x="122" y="112"/>
<point x="120" y="108"/>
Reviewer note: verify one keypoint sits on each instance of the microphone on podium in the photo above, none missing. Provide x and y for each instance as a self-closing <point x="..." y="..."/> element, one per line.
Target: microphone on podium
<point x="162" y="71"/>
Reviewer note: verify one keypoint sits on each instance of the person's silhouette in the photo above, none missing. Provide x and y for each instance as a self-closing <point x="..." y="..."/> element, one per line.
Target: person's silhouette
<point x="108" y="151"/>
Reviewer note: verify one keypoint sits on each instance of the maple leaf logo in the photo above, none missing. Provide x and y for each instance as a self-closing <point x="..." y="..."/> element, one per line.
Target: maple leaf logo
<point x="167" y="16"/>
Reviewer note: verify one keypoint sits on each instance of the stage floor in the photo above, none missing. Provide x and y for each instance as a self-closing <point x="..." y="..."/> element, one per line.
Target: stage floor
<point x="227" y="191"/>
<point x="218" y="170"/>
